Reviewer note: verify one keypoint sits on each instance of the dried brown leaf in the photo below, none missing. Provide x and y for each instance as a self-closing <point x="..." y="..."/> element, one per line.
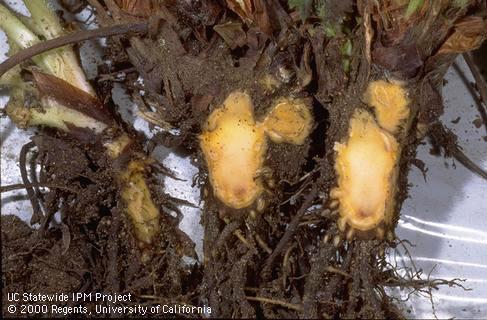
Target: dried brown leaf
<point x="139" y="8"/>
<point x="252" y="11"/>
<point x="232" y="33"/>
<point x="241" y="7"/>
<point x="468" y="35"/>
<point x="305" y="73"/>
<point x="70" y="96"/>
<point x="261" y="16"/>
<point x="402" y="59"/>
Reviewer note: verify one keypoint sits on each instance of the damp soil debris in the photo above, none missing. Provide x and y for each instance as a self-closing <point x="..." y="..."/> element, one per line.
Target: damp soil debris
<point x="322" y="87"/>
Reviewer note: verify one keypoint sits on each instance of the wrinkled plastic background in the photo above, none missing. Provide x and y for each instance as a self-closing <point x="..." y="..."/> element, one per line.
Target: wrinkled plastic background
<point x="445" y="217"/>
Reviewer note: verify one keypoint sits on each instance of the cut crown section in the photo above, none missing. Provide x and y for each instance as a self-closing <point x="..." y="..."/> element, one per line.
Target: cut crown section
<point x="289" y="121"/>
<point x="234" y="144"/>
<point x="234" y="147"/>
<point x="365" y="166"/>
<point x="367" y="163"/>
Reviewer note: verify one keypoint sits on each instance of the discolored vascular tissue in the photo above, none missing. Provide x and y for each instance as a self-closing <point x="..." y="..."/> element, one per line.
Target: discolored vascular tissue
<point x="234" y="144"/>
<point x="390" y="103"/>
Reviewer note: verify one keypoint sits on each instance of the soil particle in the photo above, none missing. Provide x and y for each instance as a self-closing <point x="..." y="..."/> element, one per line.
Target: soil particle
<point x="477" y="122"/>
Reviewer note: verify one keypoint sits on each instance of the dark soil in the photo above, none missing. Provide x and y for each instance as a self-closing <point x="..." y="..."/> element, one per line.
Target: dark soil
<point x="289" y="261"/>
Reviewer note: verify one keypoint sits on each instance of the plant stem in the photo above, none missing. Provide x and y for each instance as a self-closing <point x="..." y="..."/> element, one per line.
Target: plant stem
<point x="67" y="102"/>
<point x="69" y="39"/>
<point x="46" y="23"/>
<point x="22" y="36"/>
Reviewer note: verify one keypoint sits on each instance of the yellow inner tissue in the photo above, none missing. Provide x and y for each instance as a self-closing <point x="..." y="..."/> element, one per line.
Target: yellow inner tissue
<point x="366" y="179"/>
<point x="140" y="207"/>
<point x="367" y="163"/>
<point x="289" y="121"/>
<point x="390" y="103"/>
<point x="234" y="147"/>
<point x="234" y="144"/>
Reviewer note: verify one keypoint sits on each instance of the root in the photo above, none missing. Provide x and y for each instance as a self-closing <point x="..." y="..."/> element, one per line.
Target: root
<point x="479" y="79"/>
<point x="18" y="186"/>
<point x="290" y="230"/>
<point x="313" y="283"/>
<point x="442" y="137"/>
<point x="34" y="201"/>
<point x="262" y="244"/>
<point x="291" y="306"/>
<point x="418" y="285"/>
